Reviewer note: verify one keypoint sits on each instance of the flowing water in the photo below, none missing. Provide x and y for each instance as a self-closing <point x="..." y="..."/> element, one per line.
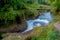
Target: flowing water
<point x="42" y="20"/>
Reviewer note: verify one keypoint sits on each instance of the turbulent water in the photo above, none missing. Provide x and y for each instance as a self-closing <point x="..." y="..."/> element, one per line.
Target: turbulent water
<point x="42" y="20"/>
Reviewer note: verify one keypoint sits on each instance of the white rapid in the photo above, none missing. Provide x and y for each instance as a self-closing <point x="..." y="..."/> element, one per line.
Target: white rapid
<point x="42" y="20"/>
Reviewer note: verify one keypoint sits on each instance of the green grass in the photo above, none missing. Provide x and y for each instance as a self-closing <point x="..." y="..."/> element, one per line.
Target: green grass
<point x="43" y="32"/>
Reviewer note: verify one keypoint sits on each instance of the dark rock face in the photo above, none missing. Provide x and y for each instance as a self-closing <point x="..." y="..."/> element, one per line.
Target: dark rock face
<point x="1" y="37"/>
<point x="17" y="29"/>
<point x="17" y="19"/>
<point x="57" y="10"/>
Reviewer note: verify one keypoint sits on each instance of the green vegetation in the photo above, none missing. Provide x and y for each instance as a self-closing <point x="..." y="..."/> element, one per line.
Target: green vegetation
<point x="18" y="11"/>
<point x="53" y="36"/>
<point x="47" y="33"/>
<point x="10" y="9"/>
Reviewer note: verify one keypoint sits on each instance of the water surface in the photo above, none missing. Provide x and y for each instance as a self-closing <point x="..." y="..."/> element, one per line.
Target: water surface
<point x="42" y="20"/>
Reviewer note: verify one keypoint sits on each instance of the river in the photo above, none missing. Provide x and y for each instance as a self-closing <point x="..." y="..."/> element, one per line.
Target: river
<point x="42" y="20"/>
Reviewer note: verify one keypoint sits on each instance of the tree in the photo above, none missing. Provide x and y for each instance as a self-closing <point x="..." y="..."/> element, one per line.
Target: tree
<point x="11" y="8"/>
<point x="57" y="5"/>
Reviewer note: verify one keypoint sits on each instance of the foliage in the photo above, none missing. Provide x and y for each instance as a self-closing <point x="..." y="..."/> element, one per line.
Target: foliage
<point x="23" y="8"/>
<point x="1" y="34"/>
<point x="11" y="8"/>
<point x="54" y="35"/>
<point x="57" y="5"/>
<point x="47" y="33"/>
<point x="43" y="33"/>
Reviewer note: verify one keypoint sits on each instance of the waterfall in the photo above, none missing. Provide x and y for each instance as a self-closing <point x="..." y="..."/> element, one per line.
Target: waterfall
<point x="47" y="16"/>
<point x="42" y="20"/>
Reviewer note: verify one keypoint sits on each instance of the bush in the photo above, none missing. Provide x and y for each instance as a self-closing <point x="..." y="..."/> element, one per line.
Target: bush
<point x="1" y="35"/>
<point x="54" y="35"/>
<point x="42" y="33"/>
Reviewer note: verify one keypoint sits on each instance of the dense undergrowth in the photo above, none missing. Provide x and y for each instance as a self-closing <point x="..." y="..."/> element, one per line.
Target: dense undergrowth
<point x="14" y="11"/>
<point x="24" y="9"/>
<point x="53" y="36"/>
<point x="48" y="33"/>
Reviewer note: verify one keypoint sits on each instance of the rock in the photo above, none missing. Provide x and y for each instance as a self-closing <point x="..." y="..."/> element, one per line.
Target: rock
<point x="14" y="28"/>
<point x="57" y="26"/>
<point x="12" y="37"/>
<point x="19" y="28"/>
